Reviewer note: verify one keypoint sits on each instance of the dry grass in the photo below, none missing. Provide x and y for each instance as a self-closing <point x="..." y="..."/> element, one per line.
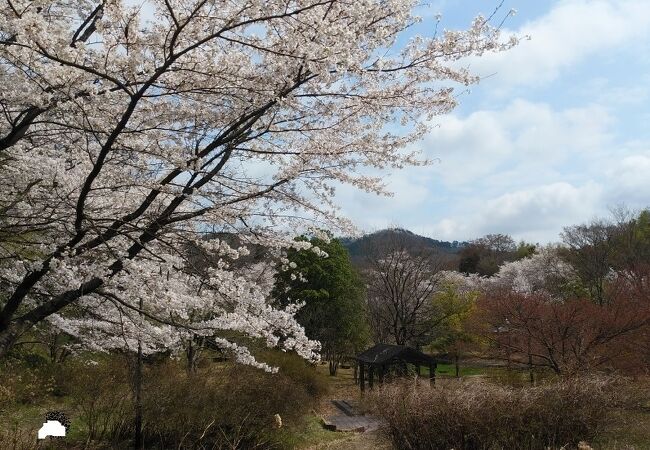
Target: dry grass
<point x="484" y="416"/>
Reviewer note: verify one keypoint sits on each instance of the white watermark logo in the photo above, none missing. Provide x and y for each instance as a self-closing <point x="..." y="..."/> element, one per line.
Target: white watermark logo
<point x="56" y="425"/>
<point x="51" y="428"/>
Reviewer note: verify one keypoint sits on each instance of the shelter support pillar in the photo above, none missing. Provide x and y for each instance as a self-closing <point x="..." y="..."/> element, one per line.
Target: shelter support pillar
<point x="432" y="373"/>
<point x="371" y="376"/>
<point x="362" y="376"/>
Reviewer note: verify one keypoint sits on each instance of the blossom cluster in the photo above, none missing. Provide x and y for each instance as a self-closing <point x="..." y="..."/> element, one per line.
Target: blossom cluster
<point x="125" y="139"/>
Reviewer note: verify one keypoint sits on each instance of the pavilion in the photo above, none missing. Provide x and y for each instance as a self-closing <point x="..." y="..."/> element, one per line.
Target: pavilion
<point x="379" y="359"/>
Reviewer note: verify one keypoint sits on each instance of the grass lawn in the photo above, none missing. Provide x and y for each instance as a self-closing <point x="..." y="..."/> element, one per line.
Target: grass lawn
<point x="450" y="370"/>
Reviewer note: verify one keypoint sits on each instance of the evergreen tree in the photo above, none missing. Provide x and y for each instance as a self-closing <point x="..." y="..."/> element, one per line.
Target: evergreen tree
<point x="333" y="296"/>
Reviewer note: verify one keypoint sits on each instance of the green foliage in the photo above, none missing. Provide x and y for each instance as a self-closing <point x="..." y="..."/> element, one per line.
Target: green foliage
<point x="334" y="311"/>
<point x="632" y="242"/>
<point x="525" y="249"/>
<point x="597" y="248"/>
<point x="453" y="308"/>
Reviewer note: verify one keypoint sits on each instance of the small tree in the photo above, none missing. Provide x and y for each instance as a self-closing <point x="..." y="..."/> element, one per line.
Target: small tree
<point x="401" y="277"/>
<point x="454" y="306"/>
<point x="333" y="296"/>
<point x="565" y="336"/>
<point x="590" y="249"/>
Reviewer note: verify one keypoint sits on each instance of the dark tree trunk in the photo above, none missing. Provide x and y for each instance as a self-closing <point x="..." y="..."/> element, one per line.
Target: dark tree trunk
<point x="192" y="352"/>
<point x="8" y="337"/>
<point x="362" y="377"/>
<point x="137" y="438"/>
<point x="457" y="365"/>
<point x="333" y="366"/>
<point x="11" y="330"/>
<point x="334" y="360"/>
<point x="530" y="364"/>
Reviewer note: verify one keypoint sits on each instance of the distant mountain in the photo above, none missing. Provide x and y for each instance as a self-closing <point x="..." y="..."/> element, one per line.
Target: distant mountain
<point x="357" y="246"/>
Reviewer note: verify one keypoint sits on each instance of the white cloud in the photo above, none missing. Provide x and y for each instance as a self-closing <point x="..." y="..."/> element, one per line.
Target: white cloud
<point x="570" y="33"/>
<point x="629" y="178"/>
<point x="602" y="91"/>
<point x="528" y="170"/>
<point x="535" y="214"/>
<point x="540" y="208"/>
<point x="524" y="142"/>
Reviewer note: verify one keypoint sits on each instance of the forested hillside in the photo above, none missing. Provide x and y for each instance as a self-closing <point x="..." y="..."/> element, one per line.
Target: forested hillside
<point x="358" y="246"/>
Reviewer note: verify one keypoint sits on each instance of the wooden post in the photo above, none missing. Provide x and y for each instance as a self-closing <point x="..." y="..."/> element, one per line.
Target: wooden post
<point x="417" y="369"/>
<point x="432" y="373"/>
<point x="371" y="376"/>
<point x="362" y="376"/>
<point x="382" y="369"/>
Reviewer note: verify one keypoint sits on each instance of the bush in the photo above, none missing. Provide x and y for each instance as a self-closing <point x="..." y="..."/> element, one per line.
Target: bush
<point x="102" y="397"/>
<point x="14" y="438"/>
<point x="24" y="384"/>
<point x="484" y="416"/>
<point x="226" y="406"/>
<point x="220" y="406"/>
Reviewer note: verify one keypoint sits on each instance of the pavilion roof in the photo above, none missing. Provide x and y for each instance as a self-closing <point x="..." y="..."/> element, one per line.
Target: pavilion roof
<point x="386" y="353"/>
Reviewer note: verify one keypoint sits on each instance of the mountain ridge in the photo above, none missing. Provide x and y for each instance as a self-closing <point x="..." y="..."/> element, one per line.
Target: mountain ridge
<point x="356" y="246"/>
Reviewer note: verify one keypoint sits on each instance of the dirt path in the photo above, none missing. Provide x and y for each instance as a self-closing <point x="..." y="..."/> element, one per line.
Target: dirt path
<point x="343" y="387"/>
<point x="356" y="441"/>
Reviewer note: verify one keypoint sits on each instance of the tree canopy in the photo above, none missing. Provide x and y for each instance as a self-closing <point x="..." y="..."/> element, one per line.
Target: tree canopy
<point x="128" y="131"/>
<point x="333" y="297"/>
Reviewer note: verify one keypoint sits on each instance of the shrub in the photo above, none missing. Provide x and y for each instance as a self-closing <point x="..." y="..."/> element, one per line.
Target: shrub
<point x="484" y="416"/>
<point x="12" y="437"/>
<point x="25" y="384"/>
<point x="102" y="397"/>
<point x="226" y="406"/>
<point x="7" y="397"/>
<point x="220" y="406"/>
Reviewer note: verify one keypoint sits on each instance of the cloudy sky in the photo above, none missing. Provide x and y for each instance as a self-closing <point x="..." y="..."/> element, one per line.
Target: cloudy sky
<point x="557" y="133"/>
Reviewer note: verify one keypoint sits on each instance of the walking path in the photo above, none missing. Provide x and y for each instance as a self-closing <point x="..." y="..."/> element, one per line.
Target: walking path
<point x="350" y="420"/>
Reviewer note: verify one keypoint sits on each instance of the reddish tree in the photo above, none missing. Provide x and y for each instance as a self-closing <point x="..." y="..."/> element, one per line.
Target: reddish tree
<point x="567" y="336"/>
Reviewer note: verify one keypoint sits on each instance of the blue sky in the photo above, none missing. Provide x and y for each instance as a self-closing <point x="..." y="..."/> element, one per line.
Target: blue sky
<point x="557" y="135"/>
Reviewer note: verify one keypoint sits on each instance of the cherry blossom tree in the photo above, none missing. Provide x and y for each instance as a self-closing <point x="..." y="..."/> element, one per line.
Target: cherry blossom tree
<point x="544" y="271"/>
<point x="128" y="132"/>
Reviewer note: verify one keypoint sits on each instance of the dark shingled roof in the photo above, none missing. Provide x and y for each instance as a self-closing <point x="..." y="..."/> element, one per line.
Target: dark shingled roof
<point x="385" y="353"/>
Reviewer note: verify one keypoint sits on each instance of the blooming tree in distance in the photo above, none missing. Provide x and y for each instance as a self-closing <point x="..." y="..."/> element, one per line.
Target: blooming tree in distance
<point x="128" y="132"/>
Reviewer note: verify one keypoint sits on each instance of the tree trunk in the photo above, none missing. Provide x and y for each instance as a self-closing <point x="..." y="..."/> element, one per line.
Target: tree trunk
<point x="8" y="337"/>
<point x="191" y="353"/>
<point x="457" y="365"/>
<point x="137" y="438"/>
<point x="333" y="366"/>
<point x="530" y="364"/>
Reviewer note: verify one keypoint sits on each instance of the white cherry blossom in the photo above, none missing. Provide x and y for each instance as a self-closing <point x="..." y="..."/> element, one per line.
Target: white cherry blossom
<point x="124" y="140"/>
